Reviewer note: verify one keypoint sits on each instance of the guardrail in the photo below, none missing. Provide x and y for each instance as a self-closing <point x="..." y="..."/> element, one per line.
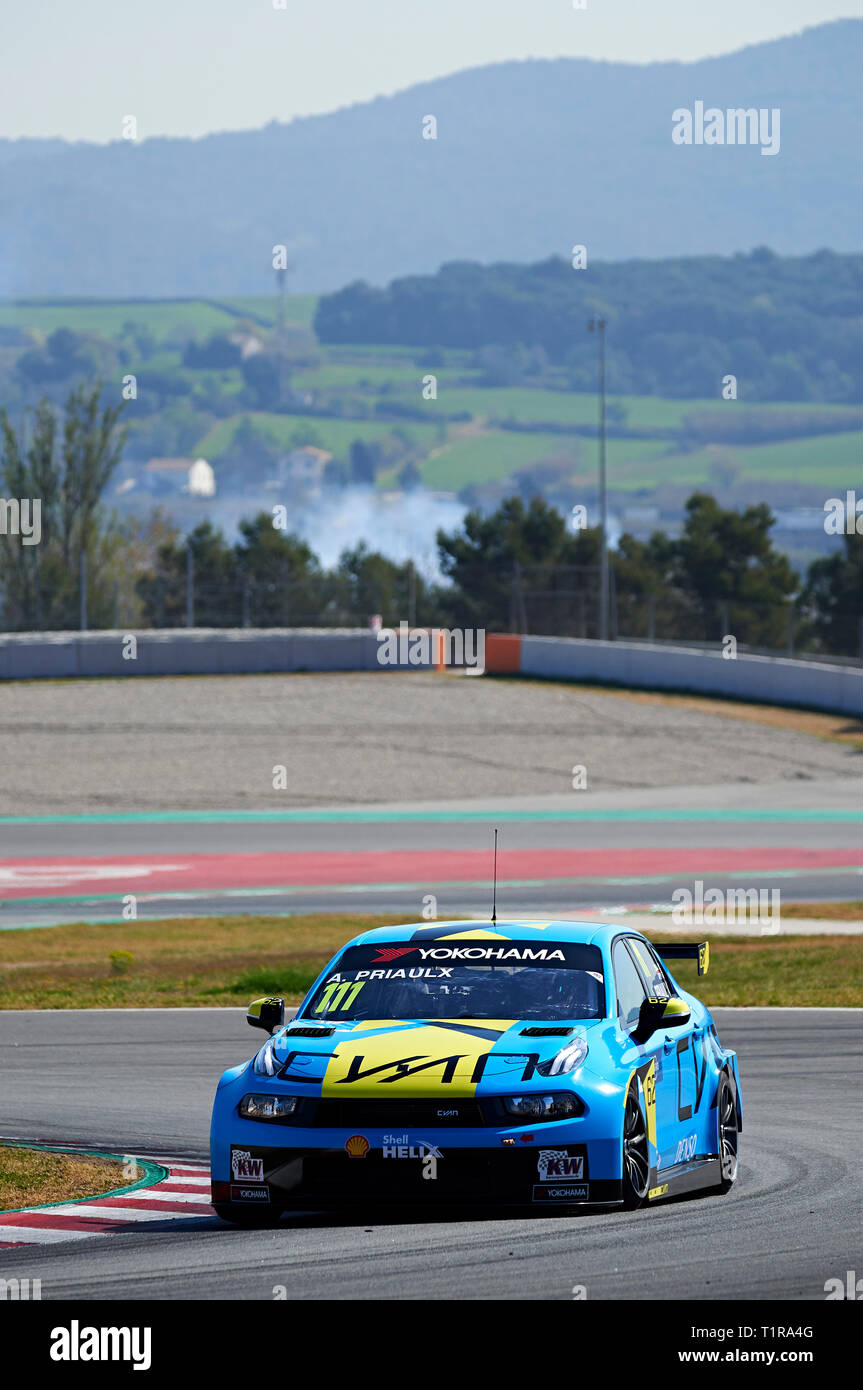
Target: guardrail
<point x="199" y="651"/>
<point x="766" y="679"/>
<point x="228" y="651"/>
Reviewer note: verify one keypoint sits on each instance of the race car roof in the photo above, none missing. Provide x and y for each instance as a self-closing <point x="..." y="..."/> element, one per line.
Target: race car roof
<point x="595" y="933"/>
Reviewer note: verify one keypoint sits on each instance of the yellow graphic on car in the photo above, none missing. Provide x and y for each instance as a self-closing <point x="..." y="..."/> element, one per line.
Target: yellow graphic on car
<point x="422" y="1061"/>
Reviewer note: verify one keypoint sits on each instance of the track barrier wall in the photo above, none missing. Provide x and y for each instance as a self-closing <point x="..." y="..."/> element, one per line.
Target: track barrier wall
<point x="214" y="651"/>
<point x="223" y="651"/>
<point x="765" y="679"/>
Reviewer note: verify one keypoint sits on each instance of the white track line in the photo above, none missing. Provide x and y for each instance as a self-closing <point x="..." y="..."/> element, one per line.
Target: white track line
<point x="162" y="1194"/>
<point x="92" y="1211"/>
<point x="42" y="1235"/>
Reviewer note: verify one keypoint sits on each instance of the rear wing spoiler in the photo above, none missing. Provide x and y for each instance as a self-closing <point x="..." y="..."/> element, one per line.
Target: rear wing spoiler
<point x="687" y="950"/>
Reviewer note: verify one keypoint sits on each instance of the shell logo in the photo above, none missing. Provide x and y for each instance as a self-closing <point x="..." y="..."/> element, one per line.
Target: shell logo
<point x="357" y="1146"/>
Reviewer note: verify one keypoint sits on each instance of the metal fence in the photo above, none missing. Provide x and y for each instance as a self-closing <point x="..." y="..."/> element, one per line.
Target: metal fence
<point x="563" y="601"/>
<point x="535" y="600"/>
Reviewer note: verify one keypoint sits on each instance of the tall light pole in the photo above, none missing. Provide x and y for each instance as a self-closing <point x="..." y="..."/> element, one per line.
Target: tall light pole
<point x="598" y="326"/>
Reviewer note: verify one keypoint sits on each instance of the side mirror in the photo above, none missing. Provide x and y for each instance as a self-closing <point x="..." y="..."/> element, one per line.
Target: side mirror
<point x="660" y="1013"/>
<point x="268" y="1014"/>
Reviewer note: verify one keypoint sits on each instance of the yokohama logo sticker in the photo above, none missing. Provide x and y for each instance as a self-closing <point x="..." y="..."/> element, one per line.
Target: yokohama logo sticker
<point x="249" y="1194"/>
<point x="469" y="952"/>
<point x="567" y="1192"/>
<point x="491" y="953"/>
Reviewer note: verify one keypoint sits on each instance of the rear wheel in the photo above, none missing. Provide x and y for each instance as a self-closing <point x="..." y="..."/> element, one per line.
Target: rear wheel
<point x="239" y="1215"/>
<point x="726" y="1109"/>
<point x="636" y="1152"/>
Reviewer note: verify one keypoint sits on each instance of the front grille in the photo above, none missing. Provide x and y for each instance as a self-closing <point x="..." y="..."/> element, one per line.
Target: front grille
<point x="387" y="1114"/>
<point x="467" y="1173"/>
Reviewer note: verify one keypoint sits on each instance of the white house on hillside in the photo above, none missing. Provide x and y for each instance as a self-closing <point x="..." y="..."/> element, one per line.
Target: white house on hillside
<point x="194" y="476"/>
<point x="303" y="469"/>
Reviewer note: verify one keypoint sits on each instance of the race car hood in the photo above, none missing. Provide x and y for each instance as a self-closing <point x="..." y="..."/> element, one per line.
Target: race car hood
<point x="386" y="1058"/>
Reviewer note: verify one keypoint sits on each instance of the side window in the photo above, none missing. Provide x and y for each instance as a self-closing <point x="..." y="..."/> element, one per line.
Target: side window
<point x="657" y="980"/>
<point x="627" y="982"/>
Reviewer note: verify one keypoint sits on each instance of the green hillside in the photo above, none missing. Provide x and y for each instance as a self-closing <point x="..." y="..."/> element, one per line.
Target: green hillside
<point x="194" y="402"/>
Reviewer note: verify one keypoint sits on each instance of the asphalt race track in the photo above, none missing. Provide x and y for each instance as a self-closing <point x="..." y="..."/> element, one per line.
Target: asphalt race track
<point x="163" y="789"/>
<point x="558" y="854"/>
<point x="793" y="1220"/>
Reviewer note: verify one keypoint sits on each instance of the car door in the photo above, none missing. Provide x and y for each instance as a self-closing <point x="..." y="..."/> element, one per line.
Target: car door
<point x="661" y="1046"/>
<point x="680" y="1068"/>
<point x="630" y="993"/>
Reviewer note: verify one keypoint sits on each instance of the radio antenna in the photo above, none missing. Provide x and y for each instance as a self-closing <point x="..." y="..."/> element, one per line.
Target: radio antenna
<point x="494" y="889"/>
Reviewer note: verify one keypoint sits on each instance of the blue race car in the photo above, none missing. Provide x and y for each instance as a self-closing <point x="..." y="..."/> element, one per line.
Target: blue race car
<point x="544" y="1064"/>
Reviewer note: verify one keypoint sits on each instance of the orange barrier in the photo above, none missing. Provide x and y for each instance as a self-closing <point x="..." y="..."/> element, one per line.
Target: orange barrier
<point x="503" y="653"/>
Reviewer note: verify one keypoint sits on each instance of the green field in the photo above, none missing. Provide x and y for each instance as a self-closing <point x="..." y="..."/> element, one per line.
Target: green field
<point x="357" y="377"/>
<point x="204" y="961"/>
<point x="494" y="454"/>
<point x="526" y="404"/>
<point x="162" y="317"/>
<point x="825" y="460"/>
<point x="554" y="407"/>
<point x="338" y="375"/>
<point x="334" y="435"/>
<point x="394" y="352"/>
<point x="299" y="308"/>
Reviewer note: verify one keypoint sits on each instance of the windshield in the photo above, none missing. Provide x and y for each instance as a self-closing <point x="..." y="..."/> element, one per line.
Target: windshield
<point x="466" y="979"/>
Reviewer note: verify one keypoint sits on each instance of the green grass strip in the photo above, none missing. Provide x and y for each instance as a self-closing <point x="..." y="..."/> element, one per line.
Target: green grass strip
<point x="153" y="1173"/>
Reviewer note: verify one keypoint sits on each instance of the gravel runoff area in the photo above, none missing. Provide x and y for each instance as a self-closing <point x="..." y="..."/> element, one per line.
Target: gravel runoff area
<point x="199" y="743"/>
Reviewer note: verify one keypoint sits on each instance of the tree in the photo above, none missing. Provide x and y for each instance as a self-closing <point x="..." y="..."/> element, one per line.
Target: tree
<point x="134" y="550"/>
<point x="364" y="462"/>
<point x="483" y="558"/>
<point x="832" y="597"/>
<point x="725" y="561"/>
<point x="410" y="478"/>
<point x="369" y="583"/>
<point x="65" y="469"/>
<point x="522" y="566"/>
<point x="62" y="356"/>
<point x="217" y="351"/>
<point x="791" y="327"/>
<point x="283" y="580"/>
<point x="261" y="375"/>
<point x="162" y="589"/>
<point x="335" y="474"/>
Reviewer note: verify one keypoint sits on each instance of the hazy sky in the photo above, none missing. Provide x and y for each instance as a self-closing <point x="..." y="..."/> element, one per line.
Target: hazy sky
<point x="75" y="68"/>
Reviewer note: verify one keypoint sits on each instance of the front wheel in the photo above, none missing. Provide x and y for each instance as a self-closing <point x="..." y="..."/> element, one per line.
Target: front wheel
<point x="729" y="1131"/>
<point x="636" y="1152"/>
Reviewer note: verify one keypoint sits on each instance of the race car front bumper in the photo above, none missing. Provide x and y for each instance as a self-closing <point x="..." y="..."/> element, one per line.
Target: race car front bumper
<point x="369" y="1167"/>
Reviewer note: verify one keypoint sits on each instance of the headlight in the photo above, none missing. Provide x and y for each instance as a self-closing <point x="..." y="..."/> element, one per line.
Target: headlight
<point x="566" y="1060"/>
<point x="560" y="1106"/>
<point x="265" y="1064"/>
<point x="267" y="1107"/>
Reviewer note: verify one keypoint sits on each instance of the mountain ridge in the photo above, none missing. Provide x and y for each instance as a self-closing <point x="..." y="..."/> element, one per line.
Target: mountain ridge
<point x="533" y="155"/>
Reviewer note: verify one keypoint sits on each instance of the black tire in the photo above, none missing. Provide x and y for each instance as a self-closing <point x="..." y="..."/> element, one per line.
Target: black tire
<point x="635" y="1153"/>
<point x="250" y="1217"/>
<point x="728" y="1131"/>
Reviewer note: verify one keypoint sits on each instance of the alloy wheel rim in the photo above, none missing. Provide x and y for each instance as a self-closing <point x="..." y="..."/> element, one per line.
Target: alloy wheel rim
<point x="635" y="1149"/>
<point x="728" y="1135"/>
